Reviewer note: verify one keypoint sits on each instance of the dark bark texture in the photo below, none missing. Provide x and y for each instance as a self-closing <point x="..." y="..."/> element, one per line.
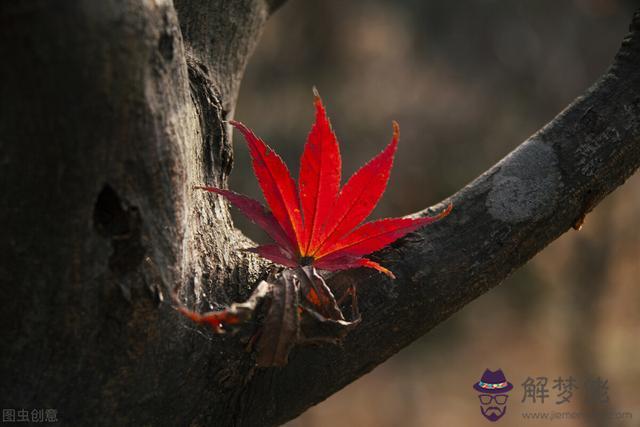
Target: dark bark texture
<point x="111" y="111"/>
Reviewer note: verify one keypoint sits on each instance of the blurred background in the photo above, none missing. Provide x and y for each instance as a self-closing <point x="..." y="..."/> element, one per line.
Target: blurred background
<point x="468" y="81"/>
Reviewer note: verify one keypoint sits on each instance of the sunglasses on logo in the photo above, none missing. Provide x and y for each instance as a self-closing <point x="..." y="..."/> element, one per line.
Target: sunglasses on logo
<point x="486" y="399"/>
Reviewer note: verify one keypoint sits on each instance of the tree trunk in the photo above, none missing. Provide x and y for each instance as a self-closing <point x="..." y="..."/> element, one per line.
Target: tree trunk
<point x="111" y="111"/>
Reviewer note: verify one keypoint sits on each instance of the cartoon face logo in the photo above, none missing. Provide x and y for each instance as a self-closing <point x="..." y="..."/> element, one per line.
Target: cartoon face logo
<point x="493" y="388"/>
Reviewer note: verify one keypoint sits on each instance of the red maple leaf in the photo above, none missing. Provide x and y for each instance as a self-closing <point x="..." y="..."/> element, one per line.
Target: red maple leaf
<point x="315" y="222"/>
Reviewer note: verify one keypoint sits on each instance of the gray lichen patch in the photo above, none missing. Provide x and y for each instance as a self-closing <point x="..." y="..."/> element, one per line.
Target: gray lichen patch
<point x="527" y="184"/>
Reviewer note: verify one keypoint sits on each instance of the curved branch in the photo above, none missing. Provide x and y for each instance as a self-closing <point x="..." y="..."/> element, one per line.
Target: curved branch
<point x="499" y="222"/>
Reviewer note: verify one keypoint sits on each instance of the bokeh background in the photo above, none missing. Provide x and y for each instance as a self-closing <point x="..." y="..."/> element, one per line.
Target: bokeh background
<point x="468" y="81"/>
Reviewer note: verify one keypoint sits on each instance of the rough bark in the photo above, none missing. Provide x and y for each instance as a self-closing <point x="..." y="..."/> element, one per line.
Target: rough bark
<point x="111" y="111"/>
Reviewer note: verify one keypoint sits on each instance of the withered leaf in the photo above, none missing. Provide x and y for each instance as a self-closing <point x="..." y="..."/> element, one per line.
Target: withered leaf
<point x="281" y="326"/>
<point x="288" y="308"/>
<point x="232" y="318"/>
<point x="315" y="291"/>
<point x="314" y="327"/>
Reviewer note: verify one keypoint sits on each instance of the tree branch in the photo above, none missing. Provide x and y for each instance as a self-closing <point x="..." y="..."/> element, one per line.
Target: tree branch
<point x="499" y="222"/>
